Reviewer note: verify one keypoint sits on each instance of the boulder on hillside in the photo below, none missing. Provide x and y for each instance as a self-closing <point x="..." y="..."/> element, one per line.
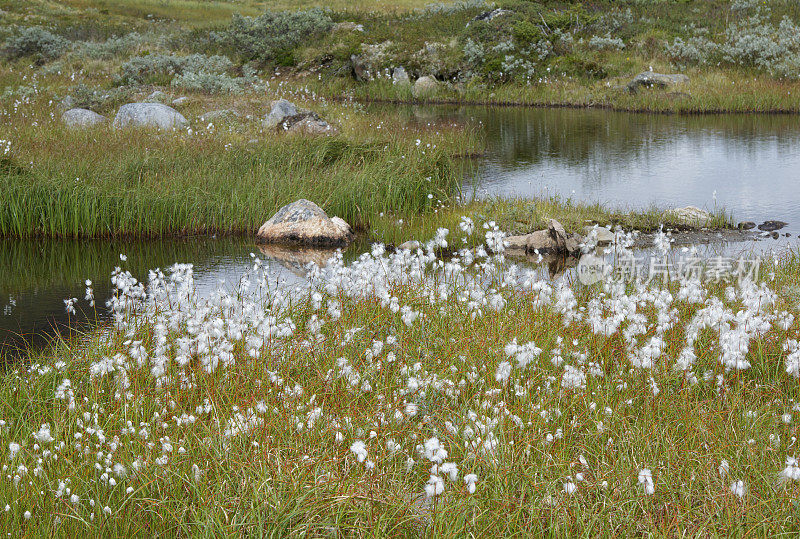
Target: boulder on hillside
<point x="304" y="223"/>
<point x="425" y="86"/>
<point x="82" y="118"/>
<point x="651" y="79"/>
<point x="285" y="116"/>
<point x="149" y="115"/>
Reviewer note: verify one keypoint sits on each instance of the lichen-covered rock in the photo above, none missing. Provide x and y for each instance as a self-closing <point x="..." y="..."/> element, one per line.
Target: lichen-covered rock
<point x="425" y="86"/>
<point x="280" y="110"/>
<point x="149" y="115"/>
<point x="651" y="79"/>
<point x="82" y="118"/>
<point x="304" y="223"/>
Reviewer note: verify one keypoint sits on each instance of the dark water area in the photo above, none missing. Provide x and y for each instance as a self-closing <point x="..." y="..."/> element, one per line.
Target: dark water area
<point x="747" y="164"/>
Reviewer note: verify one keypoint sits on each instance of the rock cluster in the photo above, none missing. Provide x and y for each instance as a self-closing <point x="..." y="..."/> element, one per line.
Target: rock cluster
<point x="552" y="240"/>
<point x="285" y="116"/>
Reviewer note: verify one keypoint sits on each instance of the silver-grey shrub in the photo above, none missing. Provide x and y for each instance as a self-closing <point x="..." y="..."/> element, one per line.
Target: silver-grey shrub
<point x="262" y="37"/>
<point x="35" y="42"/>
<point x="603" y="43"/>
<point x="164" y="67"/>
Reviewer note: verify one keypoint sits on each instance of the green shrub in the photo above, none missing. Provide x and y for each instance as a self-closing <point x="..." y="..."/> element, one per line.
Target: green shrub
<point x="35" y="42"/>
<point x="274" y="33"/>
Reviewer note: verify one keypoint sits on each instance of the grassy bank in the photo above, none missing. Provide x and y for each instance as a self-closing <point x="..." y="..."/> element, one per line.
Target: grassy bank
<point x="104" y="182"/>
<point x="740" y="56"/>
<point x="523" y="216"/>
<point x="434" y="406"/>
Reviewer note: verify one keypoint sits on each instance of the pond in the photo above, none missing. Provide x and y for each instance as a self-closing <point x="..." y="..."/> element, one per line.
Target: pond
<point x="747" y="164"/>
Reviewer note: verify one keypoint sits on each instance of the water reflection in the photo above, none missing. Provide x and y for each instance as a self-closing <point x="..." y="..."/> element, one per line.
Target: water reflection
<point x="747" y="164"/>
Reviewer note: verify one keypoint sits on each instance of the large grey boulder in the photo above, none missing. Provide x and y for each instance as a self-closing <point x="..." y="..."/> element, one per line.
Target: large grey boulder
<point x="552" y="240"/>
<point x="149" y="115"/>
<point x="651" y="79"/>
<point x="304" y="223"/>
<point x="425" y="86"/>
<point x="285" y="116"/>
<point x="82" y="118"/>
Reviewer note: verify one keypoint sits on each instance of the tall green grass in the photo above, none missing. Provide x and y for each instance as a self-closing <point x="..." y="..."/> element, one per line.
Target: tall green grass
<point x="107" y="183"/>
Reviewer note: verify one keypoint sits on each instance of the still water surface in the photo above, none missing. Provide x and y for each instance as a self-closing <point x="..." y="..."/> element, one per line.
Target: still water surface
<point x="747" y="164"/>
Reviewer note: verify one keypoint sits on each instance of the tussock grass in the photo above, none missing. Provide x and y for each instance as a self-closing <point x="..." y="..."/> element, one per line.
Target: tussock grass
<point x="104" y="182"/>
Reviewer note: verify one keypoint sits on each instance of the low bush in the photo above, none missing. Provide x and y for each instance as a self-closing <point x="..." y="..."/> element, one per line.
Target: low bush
<point x="37" y="43"/>
<point x="273" y="34"/>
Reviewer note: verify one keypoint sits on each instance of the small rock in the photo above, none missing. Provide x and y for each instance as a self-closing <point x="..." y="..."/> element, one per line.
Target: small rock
<point x="746" y="225"/>
<point x="311" y="125"/>
<point x="82" y="118"/>
<point x="304" y="223"/>
<point x="410" y="245"/>
<point x="180" y="101"/>
<point x="157" y="97"/>
<point x="769" y="226"/>
<point x="400" y="77"/>
<point x="149" y="115"/>
<point x="425" y="86"/>
<point x="603" y="235"/>
<point x="689" y="216"/>
<point x="650" y="79"/>
<point x="281" y="110"/>
<point x="347" y="26"/>
<point x="489" y="15"/>
<point x="775" y="235"/>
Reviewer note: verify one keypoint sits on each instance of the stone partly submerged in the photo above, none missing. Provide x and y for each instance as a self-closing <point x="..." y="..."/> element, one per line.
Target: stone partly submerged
<point x="149" y="115"/>
<point x="651" y="79"/>
<point x="286" y="116"/>
<point x="82" y="118"/>
<point x="689" y="216"/>
<point x="553" y="240"/>
<point x="303" y="223"/>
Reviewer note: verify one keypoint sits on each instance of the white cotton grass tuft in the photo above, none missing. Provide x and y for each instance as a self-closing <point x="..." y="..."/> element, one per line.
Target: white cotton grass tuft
<point x="645" y="479"/>
<point x="738" y="489"/>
